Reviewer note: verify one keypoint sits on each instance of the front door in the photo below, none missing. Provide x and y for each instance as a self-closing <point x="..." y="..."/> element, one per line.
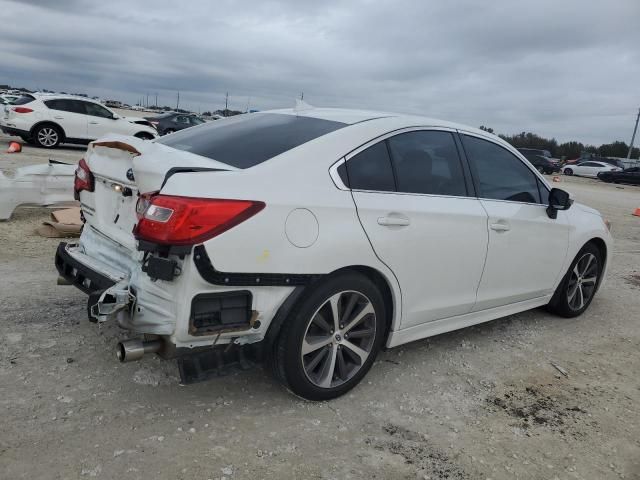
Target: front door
<point x="415" y="206"/>
<point x="526" y="248"/>
<point x="101" y="121"/>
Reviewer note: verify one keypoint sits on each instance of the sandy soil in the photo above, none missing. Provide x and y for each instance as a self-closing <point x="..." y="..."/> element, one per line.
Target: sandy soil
<point x="483" y="402"/>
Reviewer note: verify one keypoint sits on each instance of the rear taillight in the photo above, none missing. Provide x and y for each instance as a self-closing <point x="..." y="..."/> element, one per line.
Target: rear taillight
<point x="170" y="220"/>
<point x="22" y="109"/>
<point x="83" y="179"/>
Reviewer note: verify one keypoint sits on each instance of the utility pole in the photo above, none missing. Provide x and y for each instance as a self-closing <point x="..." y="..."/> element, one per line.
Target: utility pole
<point x="301" y="95"/>
<point x="226" y="103"/>
<point x="156" y="100"/>
<point x="147" y="99"/>
<point x="178" y="102"/>
<point x="633" y="137"/>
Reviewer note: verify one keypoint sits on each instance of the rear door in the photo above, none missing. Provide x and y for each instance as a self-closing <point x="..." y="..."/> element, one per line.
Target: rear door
<point x="423" y="222"/>
<point x="526" y="247"/>
<point x="70" y="115"/>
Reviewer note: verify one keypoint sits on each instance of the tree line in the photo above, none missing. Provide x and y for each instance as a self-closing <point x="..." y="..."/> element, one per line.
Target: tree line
<point x="567" y="150"/>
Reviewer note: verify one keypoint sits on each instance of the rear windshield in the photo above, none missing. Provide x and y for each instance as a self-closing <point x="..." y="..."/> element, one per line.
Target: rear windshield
<point x="247" y="140"/>
<point x="24" y="100"/>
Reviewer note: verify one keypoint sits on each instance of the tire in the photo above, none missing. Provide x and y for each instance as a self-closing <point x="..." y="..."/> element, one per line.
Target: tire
<point x="144" y="136"/>
<point x="47" y="136"/>
<point x="168" y="131"/>
<point x="568" y="171"/>
<point x="574" y="295"/>
<point x="334" y="368"/>
<point x="541" y="170"/>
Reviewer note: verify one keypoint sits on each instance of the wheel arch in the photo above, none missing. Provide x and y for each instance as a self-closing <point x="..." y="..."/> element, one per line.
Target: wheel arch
<point x="379" y="280"/>
<point x="601" y="245"/>
<point x="48" y="122"/>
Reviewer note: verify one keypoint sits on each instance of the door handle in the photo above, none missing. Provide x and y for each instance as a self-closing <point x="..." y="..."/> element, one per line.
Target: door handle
<point x="500" y="227"/>
<point x="393" y="221"/>
<point x="59" y="118"/>
<point x="93" y="123"/>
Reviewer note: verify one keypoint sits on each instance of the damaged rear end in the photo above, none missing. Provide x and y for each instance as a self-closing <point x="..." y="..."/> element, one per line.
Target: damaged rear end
<point x="133" y="258"/>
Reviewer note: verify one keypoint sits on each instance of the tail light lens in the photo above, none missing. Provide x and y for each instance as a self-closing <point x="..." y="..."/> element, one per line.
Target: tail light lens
<point x="22" y="109"/>
<point x="172" y="220"/>
<point x="83" y="179"/>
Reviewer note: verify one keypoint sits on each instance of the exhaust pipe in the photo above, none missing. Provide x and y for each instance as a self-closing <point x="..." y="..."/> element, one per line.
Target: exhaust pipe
<point x="134" y="348"/>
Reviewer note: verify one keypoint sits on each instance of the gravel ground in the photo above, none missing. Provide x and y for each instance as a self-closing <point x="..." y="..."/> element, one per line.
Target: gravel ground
<point x="483" y="402"/>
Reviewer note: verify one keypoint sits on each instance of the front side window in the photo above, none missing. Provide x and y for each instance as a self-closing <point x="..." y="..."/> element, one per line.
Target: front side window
<point x="96" y="110"/>
<point x="500" y="174"/>
<point x="369" y="170"/>
<point x="427" y="162"/>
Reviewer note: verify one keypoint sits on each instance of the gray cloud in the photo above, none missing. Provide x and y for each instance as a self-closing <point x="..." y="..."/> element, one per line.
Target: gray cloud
<point x="565" y="69"/>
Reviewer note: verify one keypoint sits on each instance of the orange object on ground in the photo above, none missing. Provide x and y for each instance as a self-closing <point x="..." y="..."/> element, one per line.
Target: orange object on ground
<point x="636" y="212"/>
<point x="556" y="179"/>
<point x="15" y="147"/>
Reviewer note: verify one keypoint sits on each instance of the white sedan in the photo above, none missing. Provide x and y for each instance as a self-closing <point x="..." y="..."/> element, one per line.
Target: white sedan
<point x="319" y="236"/>
<point x="589" y="168"/>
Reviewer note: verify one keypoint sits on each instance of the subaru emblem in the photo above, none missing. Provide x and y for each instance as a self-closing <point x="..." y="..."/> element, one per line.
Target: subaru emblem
<point x="130" y="175"/>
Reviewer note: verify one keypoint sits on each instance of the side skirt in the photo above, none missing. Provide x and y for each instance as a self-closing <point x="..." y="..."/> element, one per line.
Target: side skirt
<point x="400" y="337"/>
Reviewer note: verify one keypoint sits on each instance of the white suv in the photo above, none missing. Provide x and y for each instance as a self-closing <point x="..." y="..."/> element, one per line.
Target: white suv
<point x="48" y="120"/>
<point x="319" y="236"/>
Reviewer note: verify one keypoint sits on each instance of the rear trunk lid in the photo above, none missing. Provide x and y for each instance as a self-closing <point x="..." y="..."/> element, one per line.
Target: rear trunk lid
<point x="125" y="168"/>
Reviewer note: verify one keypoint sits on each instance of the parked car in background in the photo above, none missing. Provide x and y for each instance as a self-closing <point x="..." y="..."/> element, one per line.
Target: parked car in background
<point x="535" y="151"/>
<point x="610" y="161"/>
<point x="9" y="99"/>
<point x="542" y="164"/>
<point x="48" y="120"/>
<point x="173" y="121"/>
<point x="589" y="169"/>
<point x="317" y="237"/>
<point x="628" y="175"/>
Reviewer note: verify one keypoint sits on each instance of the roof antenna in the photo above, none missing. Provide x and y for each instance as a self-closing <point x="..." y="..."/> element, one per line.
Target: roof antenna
<point x="302" y="106"/>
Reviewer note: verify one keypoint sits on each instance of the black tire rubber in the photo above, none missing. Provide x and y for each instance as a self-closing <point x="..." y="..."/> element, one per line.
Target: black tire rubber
<point x="559" y="303"/>
<point x="568" y="171"/>
<point x="284" y="357"/>
<point x="144" y="136"/>
<point x="168" y="131"/>
<point x="36" y="131"/>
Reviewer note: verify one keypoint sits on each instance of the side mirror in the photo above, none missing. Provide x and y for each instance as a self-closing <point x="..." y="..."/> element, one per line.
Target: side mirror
<point x="558" y="200"/>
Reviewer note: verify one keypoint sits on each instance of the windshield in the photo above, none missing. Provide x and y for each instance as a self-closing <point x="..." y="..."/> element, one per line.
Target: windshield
<point x="246" y="140"/>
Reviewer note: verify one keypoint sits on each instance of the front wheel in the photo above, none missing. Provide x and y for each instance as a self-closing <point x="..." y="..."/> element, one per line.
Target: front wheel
<point x="578" y="287"/>
<point x="568" y="171"/>
<point x="331" y="338"/>
<point x="144" y="136"/>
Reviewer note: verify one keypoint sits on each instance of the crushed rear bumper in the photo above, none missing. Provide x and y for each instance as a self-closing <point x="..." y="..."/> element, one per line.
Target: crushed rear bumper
<point x="78" y="274"/>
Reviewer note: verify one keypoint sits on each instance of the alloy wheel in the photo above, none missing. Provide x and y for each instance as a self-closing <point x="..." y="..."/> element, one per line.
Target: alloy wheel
<point x="339" y="338"/>
<point x="47" y="137"/>
<point x="582" y="282"/>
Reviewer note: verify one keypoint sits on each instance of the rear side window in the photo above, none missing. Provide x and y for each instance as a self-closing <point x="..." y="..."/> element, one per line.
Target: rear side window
<point x="250" y="139"/>
<point x="427" y="162"/>
<point x="500" y="174"/>
<point x="369" y="170"/>
<point x="66" y="105"/>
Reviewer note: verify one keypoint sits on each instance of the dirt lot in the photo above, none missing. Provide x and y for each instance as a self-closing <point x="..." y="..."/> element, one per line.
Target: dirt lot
<point x="483" y="402"/>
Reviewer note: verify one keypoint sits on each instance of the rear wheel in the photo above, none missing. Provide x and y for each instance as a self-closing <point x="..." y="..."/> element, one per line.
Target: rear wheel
<point x="568" y="171"/>
<point x="331" y="338"/>
<point x="575" y="293"/>
<point x="47" y="136"/>
<point x="168" y="131"/>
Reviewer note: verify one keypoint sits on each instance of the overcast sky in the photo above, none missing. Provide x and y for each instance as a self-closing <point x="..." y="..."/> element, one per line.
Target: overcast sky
<point x="563" y="68"/>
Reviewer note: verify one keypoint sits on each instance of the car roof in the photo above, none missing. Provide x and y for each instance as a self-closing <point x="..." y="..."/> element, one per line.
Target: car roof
<point x="351" y="117"/>
<point x="56" y="96"/>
